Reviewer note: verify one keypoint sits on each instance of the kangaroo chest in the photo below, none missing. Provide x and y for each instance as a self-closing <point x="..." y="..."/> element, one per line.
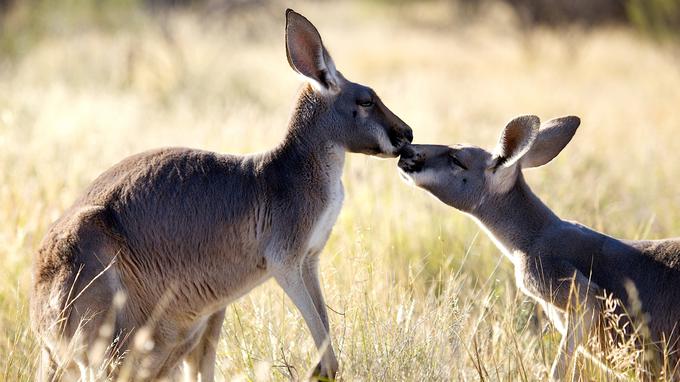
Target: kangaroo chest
<point x="323" y="224"/>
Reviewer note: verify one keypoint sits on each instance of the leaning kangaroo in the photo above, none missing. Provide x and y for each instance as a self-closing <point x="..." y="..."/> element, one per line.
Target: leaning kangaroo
<point x="550" y="254"/>
<point x="181" y="233"/>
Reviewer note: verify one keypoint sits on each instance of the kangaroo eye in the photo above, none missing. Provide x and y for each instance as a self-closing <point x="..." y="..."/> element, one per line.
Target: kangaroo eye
<point x="365" y="103"/>
<point x="456" y="162"/>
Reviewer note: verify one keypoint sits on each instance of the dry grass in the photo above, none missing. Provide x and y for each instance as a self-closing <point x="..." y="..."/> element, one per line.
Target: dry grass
<point x="416" y="291"/>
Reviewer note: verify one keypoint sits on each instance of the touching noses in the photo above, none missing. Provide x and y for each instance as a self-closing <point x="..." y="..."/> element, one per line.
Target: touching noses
<point x="407" y="152"/>
<point x="407" y="133"/>
<point x="403" y="132"/>
<point x="411" y="160"/>
<point x="399" y="132"/>
<point x="400" y="135"/>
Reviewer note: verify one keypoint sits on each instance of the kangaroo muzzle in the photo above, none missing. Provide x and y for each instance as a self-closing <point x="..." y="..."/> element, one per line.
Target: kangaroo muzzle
<point x="399" y="133"/>
<point x="410" y="161"/>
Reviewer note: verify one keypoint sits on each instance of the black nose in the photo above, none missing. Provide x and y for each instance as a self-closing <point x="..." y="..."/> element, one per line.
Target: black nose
<point x="407" y="152"/>
<point x="409" y="135"/>
<point x="400" y="136"/>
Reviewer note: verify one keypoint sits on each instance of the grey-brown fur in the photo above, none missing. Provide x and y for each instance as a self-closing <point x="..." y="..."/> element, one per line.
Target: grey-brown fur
<point x="181" y="233"/>
<point x="548" y="252"/>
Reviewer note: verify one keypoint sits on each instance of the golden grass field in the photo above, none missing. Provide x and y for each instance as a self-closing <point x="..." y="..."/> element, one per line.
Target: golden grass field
<point x="416" y="291"/>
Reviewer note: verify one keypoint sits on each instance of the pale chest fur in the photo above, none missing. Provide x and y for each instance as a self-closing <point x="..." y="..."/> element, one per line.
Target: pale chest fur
<point x="324" y="224"/>
<point x="325" y="221"/>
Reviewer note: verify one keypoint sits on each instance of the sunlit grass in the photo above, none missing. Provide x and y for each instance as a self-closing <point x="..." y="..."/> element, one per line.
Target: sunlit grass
<point x="416" y="290"/>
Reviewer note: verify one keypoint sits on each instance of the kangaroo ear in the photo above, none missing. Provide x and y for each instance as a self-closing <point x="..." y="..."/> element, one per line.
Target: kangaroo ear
<point x="306" y="53"/>
<point x="515" y="141"/>
<point x="552" y="138"/>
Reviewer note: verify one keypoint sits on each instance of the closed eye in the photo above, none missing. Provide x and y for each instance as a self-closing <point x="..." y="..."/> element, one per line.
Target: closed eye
<point x="365" y="103"/>
<point x="458" y="163"/>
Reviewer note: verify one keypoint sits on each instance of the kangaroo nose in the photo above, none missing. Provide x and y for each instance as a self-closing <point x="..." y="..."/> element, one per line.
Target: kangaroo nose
<point x="407" y="151"/>
<point x="408" y="134"/>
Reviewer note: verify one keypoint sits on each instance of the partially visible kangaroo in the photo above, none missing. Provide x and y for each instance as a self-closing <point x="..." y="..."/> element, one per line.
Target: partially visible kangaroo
<point x="181" y="233"/>
<point x="550" y="254"/>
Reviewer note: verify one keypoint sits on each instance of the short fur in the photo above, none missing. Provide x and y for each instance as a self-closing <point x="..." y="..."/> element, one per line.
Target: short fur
<point x="181" y="233"/>
<point x="549" y="254"/>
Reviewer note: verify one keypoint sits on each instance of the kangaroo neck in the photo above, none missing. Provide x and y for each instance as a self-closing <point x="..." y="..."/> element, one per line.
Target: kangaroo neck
<point x="515" y="220"/>
<point x="308" y="149"/>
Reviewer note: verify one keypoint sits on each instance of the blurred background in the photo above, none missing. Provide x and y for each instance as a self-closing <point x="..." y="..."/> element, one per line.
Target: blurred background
<point x="417" y="292"/>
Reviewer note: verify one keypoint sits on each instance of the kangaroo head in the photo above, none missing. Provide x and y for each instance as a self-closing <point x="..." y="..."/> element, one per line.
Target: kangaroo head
<point x="352" y="114"/>
<point x="463" y="176"/>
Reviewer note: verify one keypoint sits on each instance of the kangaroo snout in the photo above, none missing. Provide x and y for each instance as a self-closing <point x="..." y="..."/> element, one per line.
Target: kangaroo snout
<point x="399" y="133"/>
<point x="400" y="137"/>
<point x="405" y="133"/>
<point x="410" y="159"/>
<point x="407" y="152"/>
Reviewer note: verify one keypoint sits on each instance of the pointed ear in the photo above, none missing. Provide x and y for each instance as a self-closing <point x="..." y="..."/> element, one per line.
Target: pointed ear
<point x="306" y="53"/>
<point x="515" y="141"/>
<point x="552" y="138"/>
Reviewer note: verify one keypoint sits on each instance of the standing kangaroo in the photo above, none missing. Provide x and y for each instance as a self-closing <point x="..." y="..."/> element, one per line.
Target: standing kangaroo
<point x="565" y="266"/>
<point x="182" y="233"/>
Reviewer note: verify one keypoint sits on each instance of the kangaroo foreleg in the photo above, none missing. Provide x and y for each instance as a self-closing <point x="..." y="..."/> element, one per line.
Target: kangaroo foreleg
<point x="291" y="277"/>
<point x="559" y="284"/>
